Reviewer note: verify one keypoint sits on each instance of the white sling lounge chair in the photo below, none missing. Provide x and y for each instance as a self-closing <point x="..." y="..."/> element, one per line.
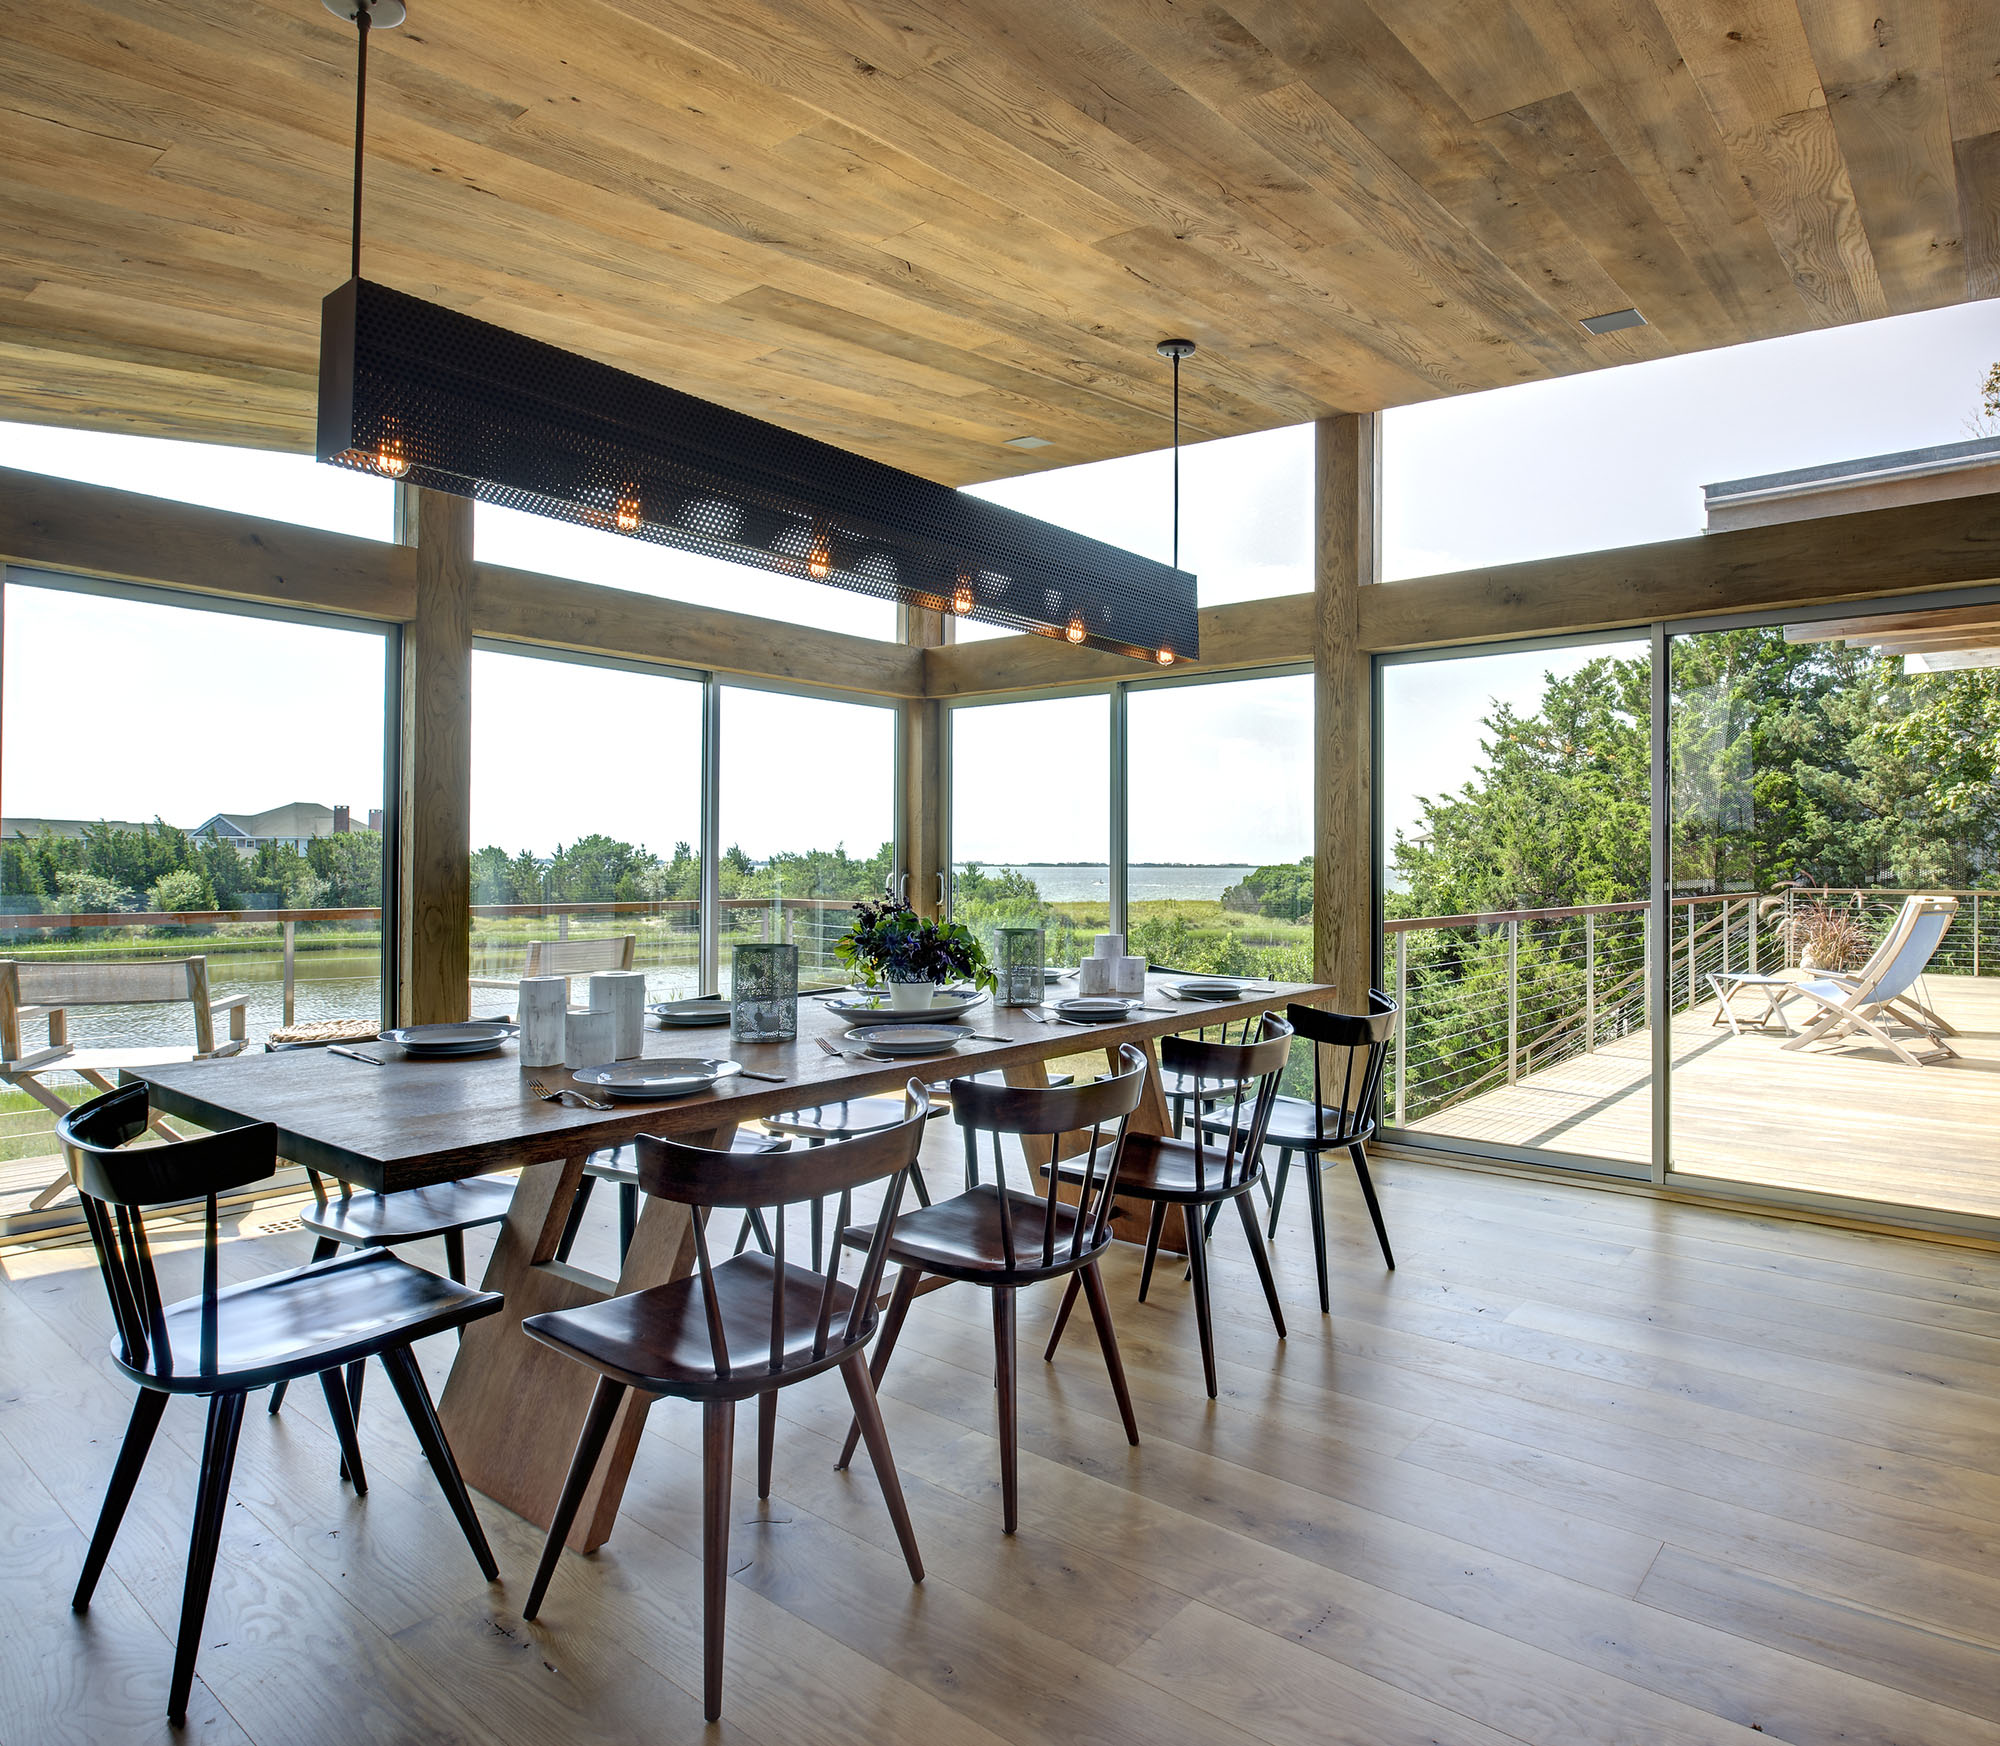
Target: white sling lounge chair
<point x="1880" y="995"/>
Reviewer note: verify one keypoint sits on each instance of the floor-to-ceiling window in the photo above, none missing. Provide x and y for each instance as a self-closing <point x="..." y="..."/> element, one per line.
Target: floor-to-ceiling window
<point x="586" y="816"/>
<point x="183" y="780"/>
<point x="1515" y="877"/>
<point x="1031" y="817"/>
<point x="807" y="821"/>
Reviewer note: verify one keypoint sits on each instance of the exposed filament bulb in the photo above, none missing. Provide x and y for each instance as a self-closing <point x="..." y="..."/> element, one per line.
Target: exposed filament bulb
<point x="1075" y="631"/>
<point x="627" y="518"/>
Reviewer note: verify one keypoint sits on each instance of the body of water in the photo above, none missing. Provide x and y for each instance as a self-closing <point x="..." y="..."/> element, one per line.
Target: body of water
<point x="1071" y="884"/>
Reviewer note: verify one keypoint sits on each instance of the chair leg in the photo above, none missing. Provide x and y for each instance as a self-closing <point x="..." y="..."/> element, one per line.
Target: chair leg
<point x="1315" y="1170"/>
<point x="718" y="1440"/>
<point x="1107" y="1338"/>
<point x="401" y="1365"/>
<point x="1062" y="1318"/>
<point x="885" y="1343"/>
<point x="868" y="1415"/>
<point x="1278" y="1186"/>
<point x="1198" y="1275"/>
<point x="146" y="1411"/>
<point x="628" y="1218"/>
<point x="1153" y="1230"/>
<point x="767" y="1437"/>
<point x="340" y="1409"/>
<point x="357" y="1373"/>
<point x="323" y="1250"/>
<point x="1003" y="1377"/>
<point x="1255" y="1239"/>
<point x="277" y="1397"/>
<point x="753" y="1222"/>
<point x="589" y="1445"/>
<point x="574" y="1222"/>
<point x="454" y="1255"/>
<point x="1360" y="1157"/>
<point x="218" y="1457"/>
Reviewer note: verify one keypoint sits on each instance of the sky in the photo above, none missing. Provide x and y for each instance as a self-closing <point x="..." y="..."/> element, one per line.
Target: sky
<point x="197" y="712"/>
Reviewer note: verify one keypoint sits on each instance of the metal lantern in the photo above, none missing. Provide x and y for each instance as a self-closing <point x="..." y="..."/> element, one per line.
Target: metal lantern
<point x="764" y="993"/>
<point x="1017" y="962"/>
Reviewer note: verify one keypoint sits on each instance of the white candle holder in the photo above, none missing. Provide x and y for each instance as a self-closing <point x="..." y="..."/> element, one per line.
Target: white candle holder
<point x="622" y="993"/>
<point x="541" y="1007"/>
<point x="588" y="1035"/>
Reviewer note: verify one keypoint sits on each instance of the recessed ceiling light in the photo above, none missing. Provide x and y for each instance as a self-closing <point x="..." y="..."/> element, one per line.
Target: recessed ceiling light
<point x="1614" y="321"/>
<point x="1027" y="442"/>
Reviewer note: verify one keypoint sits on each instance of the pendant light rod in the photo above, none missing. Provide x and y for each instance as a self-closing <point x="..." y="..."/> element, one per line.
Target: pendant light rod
<point x="364" y="15"/>
<point x="1176" y="349"/>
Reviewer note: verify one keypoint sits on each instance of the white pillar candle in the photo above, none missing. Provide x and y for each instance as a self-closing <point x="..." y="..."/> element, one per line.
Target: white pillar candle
<point x="1097" y="976"/>
<point x="1128" y="976"/>
<point x="540" y="1006"/>
<point x="587" y="1036"/>
<point x="1108" y="946"/>
<point x="622" y="993"/>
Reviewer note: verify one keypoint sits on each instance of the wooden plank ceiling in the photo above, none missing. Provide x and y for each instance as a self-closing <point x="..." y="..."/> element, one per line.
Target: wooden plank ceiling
<point x="922" y="229"/>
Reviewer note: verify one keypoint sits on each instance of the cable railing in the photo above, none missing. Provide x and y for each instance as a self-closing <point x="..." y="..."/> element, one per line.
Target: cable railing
<point x="1484" y="1000"/>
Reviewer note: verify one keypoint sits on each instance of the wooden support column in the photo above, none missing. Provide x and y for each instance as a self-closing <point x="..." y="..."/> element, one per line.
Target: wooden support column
<point x="922" y="776"/>
<point x="1347" y="529"/>
<point x="433" y="947"/>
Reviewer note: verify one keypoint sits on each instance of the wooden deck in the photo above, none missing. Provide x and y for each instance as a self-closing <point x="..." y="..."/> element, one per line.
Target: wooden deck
<point x="1845" y="1119"/>
<point x="1586" y="1468"/>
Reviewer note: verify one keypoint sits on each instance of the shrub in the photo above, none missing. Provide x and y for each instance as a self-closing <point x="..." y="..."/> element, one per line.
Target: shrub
<point x="183" y="889"/>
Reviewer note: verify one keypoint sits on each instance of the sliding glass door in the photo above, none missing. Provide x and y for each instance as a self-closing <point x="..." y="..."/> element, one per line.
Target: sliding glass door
<point x="1515" y="810"/>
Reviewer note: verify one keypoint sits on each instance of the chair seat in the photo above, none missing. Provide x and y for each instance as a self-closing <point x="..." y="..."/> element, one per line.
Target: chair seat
<point x="960" y="1237"/>
<point x="1292" y="1126"/>
<point x="657" y="1339"/>
<point x="363" y="1220"/>
<point x="1156" y="1168"/>
<point x="942" y="1087"/>
<point x="310" y="1319"/>
<point x="846" y="1120"/>
<point x="1175" y="1083"/>
<point x="616" y="1164"/>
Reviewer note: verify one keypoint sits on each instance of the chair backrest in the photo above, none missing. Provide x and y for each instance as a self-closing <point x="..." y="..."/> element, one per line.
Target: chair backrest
<point x="700" y="1179"/>
<point x="118" y="1181"/>
<point x="1099" y="1108"/>
<point x="580" y="957"/>
<point x="1907" y="949"/>
<point x="1247" y="1075"/>
<point x="140" y="982"/>
<point x="1349" y="1053"/>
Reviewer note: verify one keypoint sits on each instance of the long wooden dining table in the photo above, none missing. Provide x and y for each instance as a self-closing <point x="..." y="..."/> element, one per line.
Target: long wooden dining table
<point x="511" y="1406"/>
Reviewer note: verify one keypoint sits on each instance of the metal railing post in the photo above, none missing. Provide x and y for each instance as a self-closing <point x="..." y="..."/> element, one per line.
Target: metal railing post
<point x="1750" y="903"/>
<point x="1513" y="1001"/>
<point x="1646" y="957"/>
<point x="291" y="942"/>
<point x="1589" y="984"/>
<point x="1402" y="1020"/>
<point x="1975" y="933"/>
<point x="562" y="925"/>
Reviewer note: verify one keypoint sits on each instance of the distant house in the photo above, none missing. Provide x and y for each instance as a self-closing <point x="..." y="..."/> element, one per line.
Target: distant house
<point x="294" y="825"/>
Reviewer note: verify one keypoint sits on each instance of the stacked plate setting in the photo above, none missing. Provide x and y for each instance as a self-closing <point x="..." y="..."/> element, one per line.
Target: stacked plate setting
<point x="651" y="1081"/>
<point x="1095" y="1009"/>
<point x="1207" y="988"/>
<point x="691" y="1015"/>
<point x="445" y="1042"/>
<point x="909" y="1039"/>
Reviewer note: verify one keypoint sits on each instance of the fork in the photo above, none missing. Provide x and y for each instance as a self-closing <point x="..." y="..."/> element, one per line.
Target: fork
<point x="547" y="1096"/>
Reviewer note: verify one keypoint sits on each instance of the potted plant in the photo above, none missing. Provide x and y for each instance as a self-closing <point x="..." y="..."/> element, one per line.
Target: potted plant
<point x="889" y="942"/>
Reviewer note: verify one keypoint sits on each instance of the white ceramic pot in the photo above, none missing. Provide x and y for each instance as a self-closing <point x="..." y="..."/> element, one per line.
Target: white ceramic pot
<point x="911" y="996"/>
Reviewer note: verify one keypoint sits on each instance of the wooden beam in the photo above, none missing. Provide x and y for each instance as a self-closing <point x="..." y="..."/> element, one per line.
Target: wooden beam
<point x="1247" y="633"/>
<point x="1347" y="546"/>
<point x="1873" y="554"/>
<point x="522" y="606"/>
<point x="922" y="771"/>
<point x="434" y="946"/>
<point x="91" y="530"/>
<point x="1938" y="618"/>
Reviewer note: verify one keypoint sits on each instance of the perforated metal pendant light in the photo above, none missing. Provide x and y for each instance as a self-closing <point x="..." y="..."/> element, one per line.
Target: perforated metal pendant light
<point x="416" y="391"/>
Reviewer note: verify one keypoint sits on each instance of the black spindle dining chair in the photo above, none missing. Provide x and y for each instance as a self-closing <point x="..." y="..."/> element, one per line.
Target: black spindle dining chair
<point x="1002" y="1238"/>
<point x="1349" y="1053"/>
<point x="229" y="1340"/>
<point x="1199" y="1173"/>
<point x="748" y="1325"/>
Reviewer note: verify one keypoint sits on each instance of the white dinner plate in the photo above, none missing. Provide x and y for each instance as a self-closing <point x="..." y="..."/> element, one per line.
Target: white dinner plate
<point x="473" y="1038"/>
<point x="921" y="1039"/>
<point x="690" y="1014"/>
<point x="647" y="1080"/>
<point x="1207" y="988"/>
<point x="1096" y="1009"/>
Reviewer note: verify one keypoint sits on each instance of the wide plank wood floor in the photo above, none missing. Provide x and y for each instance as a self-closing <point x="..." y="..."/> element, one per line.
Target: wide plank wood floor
<point x="1588" y="1468"/>
<point x="1844" y="1118"/>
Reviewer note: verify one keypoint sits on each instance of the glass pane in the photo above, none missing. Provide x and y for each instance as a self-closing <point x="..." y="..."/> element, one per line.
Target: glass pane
<point x="808" y="821"/>
<point x="559" y="548"/>
<point x="207" y="780"/>
<point x="1618" y="457"/>
<point x="1246" y="511"/>
<point x="1219" y="839"/>
<point x="1836" y="860"/>
<point x="248" y="481"/>
<point x="587" y="824"/>
<point x="1031" y="818"/>
<point x="1516" y="817"/>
